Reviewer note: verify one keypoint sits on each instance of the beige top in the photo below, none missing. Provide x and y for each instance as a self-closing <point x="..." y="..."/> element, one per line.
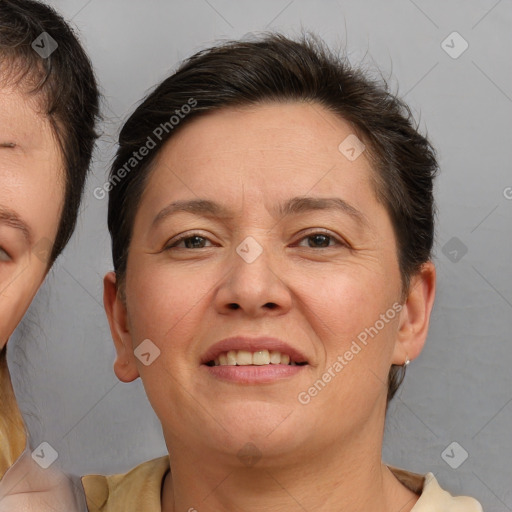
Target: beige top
<point x="139" y="490"/>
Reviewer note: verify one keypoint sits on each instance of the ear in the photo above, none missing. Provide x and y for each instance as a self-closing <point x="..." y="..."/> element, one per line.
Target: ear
<point x="415" y="315"/>
<point x="125" y="366"/>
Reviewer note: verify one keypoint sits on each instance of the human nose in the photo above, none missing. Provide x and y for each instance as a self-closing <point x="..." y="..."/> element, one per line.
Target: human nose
<point x="255" y="284"/>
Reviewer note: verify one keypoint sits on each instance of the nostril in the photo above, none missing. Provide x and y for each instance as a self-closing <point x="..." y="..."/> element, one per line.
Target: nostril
<point x="271" y="305"/>
<point x="233" y="305"/>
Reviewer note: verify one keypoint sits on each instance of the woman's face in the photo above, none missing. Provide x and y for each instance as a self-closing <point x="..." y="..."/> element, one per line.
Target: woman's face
<point x="31" y="194"/>
<point x="255" y="224"/>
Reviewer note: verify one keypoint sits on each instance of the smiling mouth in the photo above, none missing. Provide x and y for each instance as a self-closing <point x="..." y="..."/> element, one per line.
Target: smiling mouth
<point x="258" y="358"/>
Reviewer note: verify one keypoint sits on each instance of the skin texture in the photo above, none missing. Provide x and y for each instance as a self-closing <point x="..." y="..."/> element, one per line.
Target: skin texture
<point x="31" y="186"/>
<point x="315" y="298"/>
<point x="31" y="200"/>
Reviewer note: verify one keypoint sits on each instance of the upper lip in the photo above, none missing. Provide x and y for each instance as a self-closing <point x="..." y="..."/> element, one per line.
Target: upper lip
<point x="252" y="345"/>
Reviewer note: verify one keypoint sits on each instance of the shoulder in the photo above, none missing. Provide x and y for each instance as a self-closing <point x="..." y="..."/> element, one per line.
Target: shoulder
<point x="432" y="497"/>
<point x="124" y="492"/>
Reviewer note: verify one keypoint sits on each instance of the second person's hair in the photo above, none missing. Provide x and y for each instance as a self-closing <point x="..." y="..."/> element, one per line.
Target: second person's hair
<point x="65" y="88"/>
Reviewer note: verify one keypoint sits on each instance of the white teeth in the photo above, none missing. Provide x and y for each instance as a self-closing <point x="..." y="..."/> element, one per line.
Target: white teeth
<point x="261" y="357"/>
<point x="275" y="357"/>
<point x="231" y="358"/>
<point x="243" y="357"/>
<point x="246" y="358"/>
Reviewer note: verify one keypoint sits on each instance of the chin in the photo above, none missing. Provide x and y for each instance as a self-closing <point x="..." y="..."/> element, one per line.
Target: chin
<point x="273" y="428"/>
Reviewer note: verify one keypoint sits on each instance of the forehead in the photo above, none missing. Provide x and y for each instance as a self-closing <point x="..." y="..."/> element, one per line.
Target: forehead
<point x="27" y="139"/>
<point x="21" y="119"/>
<point x="270" y="148"/>
<point x="31" y="163"/>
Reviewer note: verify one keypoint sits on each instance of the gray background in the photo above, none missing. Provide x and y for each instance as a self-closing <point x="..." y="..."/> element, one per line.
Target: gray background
<point x="459" y="389"/>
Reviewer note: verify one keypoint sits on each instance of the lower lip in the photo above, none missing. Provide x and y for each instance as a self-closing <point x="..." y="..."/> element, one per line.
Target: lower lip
<point x="254" y="374"/>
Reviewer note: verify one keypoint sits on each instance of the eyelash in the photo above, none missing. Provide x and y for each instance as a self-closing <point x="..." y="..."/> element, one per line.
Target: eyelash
<point x="187" y="236"/>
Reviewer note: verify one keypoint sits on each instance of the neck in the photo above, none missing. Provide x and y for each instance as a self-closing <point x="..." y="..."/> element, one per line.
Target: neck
<point x="348" y="476"/>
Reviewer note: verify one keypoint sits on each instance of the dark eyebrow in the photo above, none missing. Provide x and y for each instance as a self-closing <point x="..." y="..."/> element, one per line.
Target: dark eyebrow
<point x="298" y="205"/>
<point x="202" y="207"/>
<point x="294" y="206"/>
<point x="12" y="219"/>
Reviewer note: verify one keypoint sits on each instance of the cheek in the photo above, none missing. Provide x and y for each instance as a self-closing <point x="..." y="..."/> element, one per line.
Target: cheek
<point x="354" y="316"/>
<point x="167" y="305"/>
<point x="344" y="301"/>
<point x="164" y="302"/>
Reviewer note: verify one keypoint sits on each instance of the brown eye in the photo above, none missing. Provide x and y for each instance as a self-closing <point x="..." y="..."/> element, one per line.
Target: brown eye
<point x="4" y="256"/>
<point x="192" y="241"/>
<point x="320" y="240"/>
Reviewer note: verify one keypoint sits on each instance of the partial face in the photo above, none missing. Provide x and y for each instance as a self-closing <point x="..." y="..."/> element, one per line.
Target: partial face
<point x="31" y="196"/>
<point x="255" y="225"/>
